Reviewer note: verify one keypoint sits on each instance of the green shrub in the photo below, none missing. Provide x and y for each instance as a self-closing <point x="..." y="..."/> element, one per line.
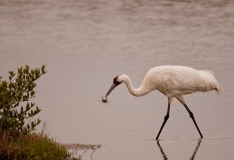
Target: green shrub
<point x="19" y="90"/>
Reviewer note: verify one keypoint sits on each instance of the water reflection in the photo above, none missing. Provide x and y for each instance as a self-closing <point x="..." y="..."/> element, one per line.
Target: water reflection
<point x="192" y="157"/>
<point x="161" y="150"/>
<point x="196" y="149"/>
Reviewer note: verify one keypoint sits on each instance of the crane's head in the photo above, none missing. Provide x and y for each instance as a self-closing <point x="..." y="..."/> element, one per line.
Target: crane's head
<point x="116" y="81"/>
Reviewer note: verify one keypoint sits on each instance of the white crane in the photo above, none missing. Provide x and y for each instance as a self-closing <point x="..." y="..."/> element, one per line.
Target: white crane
<point x="172" y="81"/>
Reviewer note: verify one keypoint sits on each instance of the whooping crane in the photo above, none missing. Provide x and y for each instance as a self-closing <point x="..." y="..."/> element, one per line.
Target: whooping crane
<point x="172" y="81"/>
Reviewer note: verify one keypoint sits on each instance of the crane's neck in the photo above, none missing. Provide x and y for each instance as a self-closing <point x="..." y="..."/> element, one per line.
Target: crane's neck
<point x="141" y="91"/>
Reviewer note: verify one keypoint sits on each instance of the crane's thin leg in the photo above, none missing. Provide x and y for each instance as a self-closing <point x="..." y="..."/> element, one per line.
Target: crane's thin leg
<point x="164" y="122"/>
<point x="181" y="99"/>
<point x="192" y="116"/>
<point x="165" y="118"/>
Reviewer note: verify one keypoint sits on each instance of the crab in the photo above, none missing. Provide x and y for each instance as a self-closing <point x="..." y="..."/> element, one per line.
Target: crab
<point x="105" y="100"/>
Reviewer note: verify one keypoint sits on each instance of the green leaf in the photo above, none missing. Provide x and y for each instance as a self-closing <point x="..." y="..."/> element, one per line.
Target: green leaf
<point x="32" y="104"/>
<point x="17" y="104"/>
<point x="27" y="106"/>
<point x="32" y="93"/>
<point x="38" y="121"/>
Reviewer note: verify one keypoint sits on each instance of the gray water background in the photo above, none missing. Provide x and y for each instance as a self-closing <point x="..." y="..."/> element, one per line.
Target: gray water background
<point x="85" y="44"/>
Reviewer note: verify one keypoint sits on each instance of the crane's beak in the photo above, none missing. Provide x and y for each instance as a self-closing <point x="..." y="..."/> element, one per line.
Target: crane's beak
<point x="111" y="89"/>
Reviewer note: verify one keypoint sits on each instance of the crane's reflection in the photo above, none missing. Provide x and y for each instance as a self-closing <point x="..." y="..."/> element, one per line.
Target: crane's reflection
<point x="192" y="157"/>
<point x="161" y="150"/>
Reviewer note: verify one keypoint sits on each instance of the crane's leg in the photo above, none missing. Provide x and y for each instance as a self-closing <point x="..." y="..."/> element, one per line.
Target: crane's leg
<point x="181" y="99"/>
<point x="166" y="117"/>
<point x="192" y="116"/>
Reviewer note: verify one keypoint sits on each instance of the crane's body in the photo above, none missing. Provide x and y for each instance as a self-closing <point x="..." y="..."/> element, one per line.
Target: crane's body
<point x="172" y="81"/>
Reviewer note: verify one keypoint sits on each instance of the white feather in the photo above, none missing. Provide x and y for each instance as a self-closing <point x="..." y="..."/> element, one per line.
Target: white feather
<point x="173" y="81"/>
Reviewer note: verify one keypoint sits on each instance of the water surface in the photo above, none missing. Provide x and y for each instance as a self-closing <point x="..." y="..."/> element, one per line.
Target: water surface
<point x="85" y="44"/>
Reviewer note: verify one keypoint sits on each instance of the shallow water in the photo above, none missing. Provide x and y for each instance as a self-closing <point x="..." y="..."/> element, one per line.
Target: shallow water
<point x="85" y="44"/>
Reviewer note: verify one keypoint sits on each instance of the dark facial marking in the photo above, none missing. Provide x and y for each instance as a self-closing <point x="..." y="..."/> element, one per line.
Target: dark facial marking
<point x="115" y="81"/>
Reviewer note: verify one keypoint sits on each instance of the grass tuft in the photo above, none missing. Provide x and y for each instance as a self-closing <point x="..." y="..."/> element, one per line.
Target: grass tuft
<point x="38" y="146"/>
<point x="34" y="146"/>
